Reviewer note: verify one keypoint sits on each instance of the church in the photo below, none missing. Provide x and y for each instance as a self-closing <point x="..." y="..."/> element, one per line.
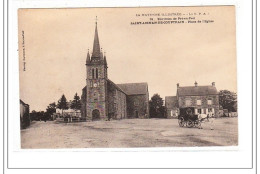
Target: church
<point x="103" y="99"/>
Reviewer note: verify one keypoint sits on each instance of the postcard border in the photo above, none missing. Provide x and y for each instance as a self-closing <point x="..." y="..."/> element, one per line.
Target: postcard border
<point x="6" y="32"/>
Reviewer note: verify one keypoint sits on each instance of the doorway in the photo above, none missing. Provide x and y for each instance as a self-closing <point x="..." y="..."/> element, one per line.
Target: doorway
<point x="136" y="114"/>
<point x="95" y="114"/>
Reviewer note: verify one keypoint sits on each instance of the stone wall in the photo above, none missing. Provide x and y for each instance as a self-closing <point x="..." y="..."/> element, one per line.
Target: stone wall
<point x="116" y="102"/>
<point x="101" y="71"/>
<point x="96" y="98"/>
<point x="137" y="106"/>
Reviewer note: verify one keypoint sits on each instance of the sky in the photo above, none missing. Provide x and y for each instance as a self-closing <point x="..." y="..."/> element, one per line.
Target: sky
<point x="56" y="42"/>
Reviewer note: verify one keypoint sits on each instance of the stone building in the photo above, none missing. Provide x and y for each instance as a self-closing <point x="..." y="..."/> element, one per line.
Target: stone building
<point x="103" y="99"/>
<point x="204" y="99"/>
<point x="25" y="119"/>
<point x="171" y="106"/>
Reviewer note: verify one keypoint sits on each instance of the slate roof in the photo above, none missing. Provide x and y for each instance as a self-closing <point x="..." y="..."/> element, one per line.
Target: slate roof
<point x="116" y="86"/>
<point x="197" y="90"/>
<point x="134" y="88"/>
<point x="170" y="101"/>
<point x="130" y="88"/>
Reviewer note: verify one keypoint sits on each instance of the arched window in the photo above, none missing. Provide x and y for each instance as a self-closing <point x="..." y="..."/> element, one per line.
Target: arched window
<point x="96" y="73"/>
<point x="93" y="73"/>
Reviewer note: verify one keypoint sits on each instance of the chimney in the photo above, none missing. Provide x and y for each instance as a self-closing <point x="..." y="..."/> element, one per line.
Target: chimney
<point x="213" y="83"/>
<point x="196" y="84"/>
<point x="178" y="85"/>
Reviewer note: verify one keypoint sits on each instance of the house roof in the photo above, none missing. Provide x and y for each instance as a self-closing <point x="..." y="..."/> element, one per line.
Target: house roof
<point x="197" y="90"/>
<point x="22" y="102"/>
<point x="170" y="101"/>
<point x="134" y="88"/>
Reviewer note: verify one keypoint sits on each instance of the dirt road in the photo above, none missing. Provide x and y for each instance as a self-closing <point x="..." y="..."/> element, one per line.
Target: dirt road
<point x="128" y="133"/>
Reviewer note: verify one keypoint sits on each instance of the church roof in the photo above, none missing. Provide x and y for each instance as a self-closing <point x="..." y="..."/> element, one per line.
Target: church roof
<point x="134" y="88"/>
<point x="197" y="90"/>
<point x="116" y="86"/>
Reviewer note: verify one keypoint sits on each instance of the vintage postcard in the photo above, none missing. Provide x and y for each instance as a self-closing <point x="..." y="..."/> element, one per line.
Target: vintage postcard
<point x="128" y="77"/>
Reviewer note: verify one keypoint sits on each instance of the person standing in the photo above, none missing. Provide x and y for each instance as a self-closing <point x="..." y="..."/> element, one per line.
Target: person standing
<point x="211" y="121"/>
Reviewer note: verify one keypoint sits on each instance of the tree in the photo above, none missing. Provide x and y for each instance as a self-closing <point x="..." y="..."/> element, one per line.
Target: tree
<point x="62" y="103"/>
<point x="228" y="100"/>
<point x="37" y="116"/>
<point x="50" y="110"/>
<point x="157" y="110"/>
<point x="33" y="115"/>
<point x="75" y="104"/>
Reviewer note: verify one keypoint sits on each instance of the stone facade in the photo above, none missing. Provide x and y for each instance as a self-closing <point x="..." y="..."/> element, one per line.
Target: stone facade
<point x="171" y="106"/>
<point x="25" y="119"/>
<point x="137" y="106"/>
<point x="103" y="99"/>
<point x="204" y="99"/>
<point x="116" y="102"/>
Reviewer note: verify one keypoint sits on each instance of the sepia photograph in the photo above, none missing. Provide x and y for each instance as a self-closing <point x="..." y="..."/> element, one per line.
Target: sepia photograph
<point x="136" y="77"/>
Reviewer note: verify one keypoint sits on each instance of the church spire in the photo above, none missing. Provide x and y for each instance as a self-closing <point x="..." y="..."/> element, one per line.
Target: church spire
<point x="88" y="57"/>
<point x="96" y="46"/>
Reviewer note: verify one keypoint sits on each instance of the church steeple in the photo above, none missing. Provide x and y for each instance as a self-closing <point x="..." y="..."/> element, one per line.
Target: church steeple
<point x="96" y="46"/>
<point x="96" y="64"/>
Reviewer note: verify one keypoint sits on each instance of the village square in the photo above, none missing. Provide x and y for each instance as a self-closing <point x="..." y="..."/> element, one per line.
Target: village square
<point x="107" y="114"/>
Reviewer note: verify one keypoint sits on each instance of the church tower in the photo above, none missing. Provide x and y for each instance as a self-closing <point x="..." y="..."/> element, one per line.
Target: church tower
<point x="96" y="89"/>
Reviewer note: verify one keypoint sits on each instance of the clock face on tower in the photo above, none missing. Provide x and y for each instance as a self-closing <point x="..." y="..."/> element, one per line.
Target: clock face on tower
<point x="95" y="85"/>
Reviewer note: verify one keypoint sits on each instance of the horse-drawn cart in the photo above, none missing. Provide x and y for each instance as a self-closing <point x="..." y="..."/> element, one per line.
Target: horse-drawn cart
<point x="188" y="118"/>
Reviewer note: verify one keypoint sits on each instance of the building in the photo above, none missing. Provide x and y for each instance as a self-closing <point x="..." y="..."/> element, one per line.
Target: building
<point x="171" y="106"/>
<point x="25" y="119"/>
<point x="103" y="99"/>
<point x="204" y="99"/>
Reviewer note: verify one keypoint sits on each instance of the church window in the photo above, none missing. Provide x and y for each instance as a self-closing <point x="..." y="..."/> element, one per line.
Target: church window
<point x="96" y="73"/>
<point x="93" y="73"/>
